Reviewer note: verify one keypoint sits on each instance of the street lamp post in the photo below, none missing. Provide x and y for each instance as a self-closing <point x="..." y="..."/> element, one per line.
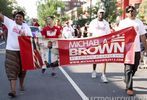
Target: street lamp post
<point x="90" y="9"/>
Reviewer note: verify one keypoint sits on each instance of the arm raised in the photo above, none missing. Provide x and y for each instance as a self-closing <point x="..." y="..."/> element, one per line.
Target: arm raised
<point x="1" y="17"/>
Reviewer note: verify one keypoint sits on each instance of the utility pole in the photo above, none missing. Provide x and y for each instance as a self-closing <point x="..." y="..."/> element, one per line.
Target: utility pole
<point x="90" y="9"/>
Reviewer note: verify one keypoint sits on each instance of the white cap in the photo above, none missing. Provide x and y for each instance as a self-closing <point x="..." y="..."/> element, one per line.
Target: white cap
<point x="101" y="10"/>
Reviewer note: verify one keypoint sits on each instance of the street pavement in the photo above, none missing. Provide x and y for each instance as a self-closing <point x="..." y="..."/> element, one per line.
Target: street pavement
<point x="75" y="83"/>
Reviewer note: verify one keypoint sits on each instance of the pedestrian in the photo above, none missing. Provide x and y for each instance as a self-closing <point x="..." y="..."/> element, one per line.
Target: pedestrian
<point x="13" y="66"/>
<point x="99" y="27"/>
<point x="5" y="31"/>
<point x="50" y="31"/>
<point x="79" y="33"/>
<point x="85" y="32"/>
<point x="111" y="28"/>
<point x="59" y="25"/>
<point x="35" y="22"/>
<point x="130" y="69"/>
<point x="68" y="31"/>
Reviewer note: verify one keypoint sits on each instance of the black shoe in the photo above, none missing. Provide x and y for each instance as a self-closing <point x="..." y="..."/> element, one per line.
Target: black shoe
<point x="43" y="71"/>
<point x="12" y="94"/>
<point x="53" y="74"/>
<point x="48" y="66"/>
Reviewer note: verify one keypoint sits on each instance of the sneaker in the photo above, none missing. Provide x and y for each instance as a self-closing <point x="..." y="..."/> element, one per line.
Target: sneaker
<point x="22" y="89"/>
<point x="43" y="71"/>
<point x="93" y="75"/>
<point x="104" y="78"/>
<point x="130" y="92"/>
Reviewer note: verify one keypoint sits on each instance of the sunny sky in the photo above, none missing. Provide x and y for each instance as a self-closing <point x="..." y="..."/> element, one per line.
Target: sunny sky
<point x="30" y="6"/>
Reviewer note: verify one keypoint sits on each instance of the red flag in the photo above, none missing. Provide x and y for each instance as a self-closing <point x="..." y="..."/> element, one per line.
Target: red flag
<point x="30" y="56"/>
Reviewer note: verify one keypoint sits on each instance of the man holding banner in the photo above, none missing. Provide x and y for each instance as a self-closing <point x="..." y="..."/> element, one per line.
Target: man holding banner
<point x="50" y="32"/>
<point x="130" y="69"/>
<point x="99" y="27"/>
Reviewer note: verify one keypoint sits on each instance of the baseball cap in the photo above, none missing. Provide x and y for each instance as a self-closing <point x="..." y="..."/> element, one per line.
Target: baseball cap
<point x="101" y="10"/>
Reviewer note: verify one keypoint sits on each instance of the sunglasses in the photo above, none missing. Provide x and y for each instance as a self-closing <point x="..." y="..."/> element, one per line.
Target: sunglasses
<point x="130" y="11"/>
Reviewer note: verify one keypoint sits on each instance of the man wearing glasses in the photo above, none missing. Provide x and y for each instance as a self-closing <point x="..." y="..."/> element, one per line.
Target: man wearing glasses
<point x="130" y="69"/>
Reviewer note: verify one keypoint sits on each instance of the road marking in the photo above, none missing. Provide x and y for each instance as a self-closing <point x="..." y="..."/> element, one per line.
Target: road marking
<point x="2" y="43"/>
<point x="79" y="91"/>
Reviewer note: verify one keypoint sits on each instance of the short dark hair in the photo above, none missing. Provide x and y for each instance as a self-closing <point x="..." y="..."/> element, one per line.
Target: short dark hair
<point x="52" y="17"/>
<point x="128" y="7"/>
<point x="18" y="12"/>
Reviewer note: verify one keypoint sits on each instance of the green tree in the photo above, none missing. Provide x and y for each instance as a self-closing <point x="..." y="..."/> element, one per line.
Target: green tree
<point x="110" y="7"/>
<point x="143" y="11"/>
<point x="6" y="7"/>
<point x="48" y="7"/>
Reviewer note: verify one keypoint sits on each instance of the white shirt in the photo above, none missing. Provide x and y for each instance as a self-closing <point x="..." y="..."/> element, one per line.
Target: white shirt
<point x="99" y="28"/>
<point x="67" y="32"/>
<point x="139" y="28"/>
<point x="14" y="30"/>
<point x="54" y="54"/>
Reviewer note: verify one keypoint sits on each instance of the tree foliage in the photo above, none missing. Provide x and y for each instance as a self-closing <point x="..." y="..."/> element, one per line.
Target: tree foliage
<point x="143" y="11"/>
<point x="6" y="7"/>
<point x="48" y="7"/>
<point x="110" y="7"/>
<point x="111" y="11"/>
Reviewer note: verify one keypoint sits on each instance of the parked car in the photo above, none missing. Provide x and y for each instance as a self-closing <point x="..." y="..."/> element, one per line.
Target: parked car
<point x="35" y="31"/>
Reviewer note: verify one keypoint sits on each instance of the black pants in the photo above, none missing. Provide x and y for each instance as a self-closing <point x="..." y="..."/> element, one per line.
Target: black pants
<point x="130" y="70"/>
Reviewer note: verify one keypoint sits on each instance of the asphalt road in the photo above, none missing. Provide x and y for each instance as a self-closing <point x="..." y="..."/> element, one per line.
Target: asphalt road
<point x="74" y="83"/>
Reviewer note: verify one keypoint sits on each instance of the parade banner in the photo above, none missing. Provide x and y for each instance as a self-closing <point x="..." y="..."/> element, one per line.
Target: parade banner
<point x="115" y="47"/>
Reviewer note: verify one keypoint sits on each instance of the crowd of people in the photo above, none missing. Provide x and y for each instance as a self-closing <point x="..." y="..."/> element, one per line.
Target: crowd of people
<point x="53" y="29"/>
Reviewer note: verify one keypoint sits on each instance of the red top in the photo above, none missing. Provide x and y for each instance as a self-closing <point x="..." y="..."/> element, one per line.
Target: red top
<point x="36" y="24"/>
<point x="60" y="27"/>
<point x="49" y="32"/>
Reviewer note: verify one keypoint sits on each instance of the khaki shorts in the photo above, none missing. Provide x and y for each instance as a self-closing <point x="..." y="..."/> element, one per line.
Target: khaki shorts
<point x="13" y="65"/>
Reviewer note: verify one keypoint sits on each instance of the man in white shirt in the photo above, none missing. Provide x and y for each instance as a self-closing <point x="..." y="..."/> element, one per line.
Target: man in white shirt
<point x="13" y="66"/>
<point x="68" y="31"/>
<point x="50" y="56"/>
<point x="130" y="69"/>
<point x="99" y="27"/>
